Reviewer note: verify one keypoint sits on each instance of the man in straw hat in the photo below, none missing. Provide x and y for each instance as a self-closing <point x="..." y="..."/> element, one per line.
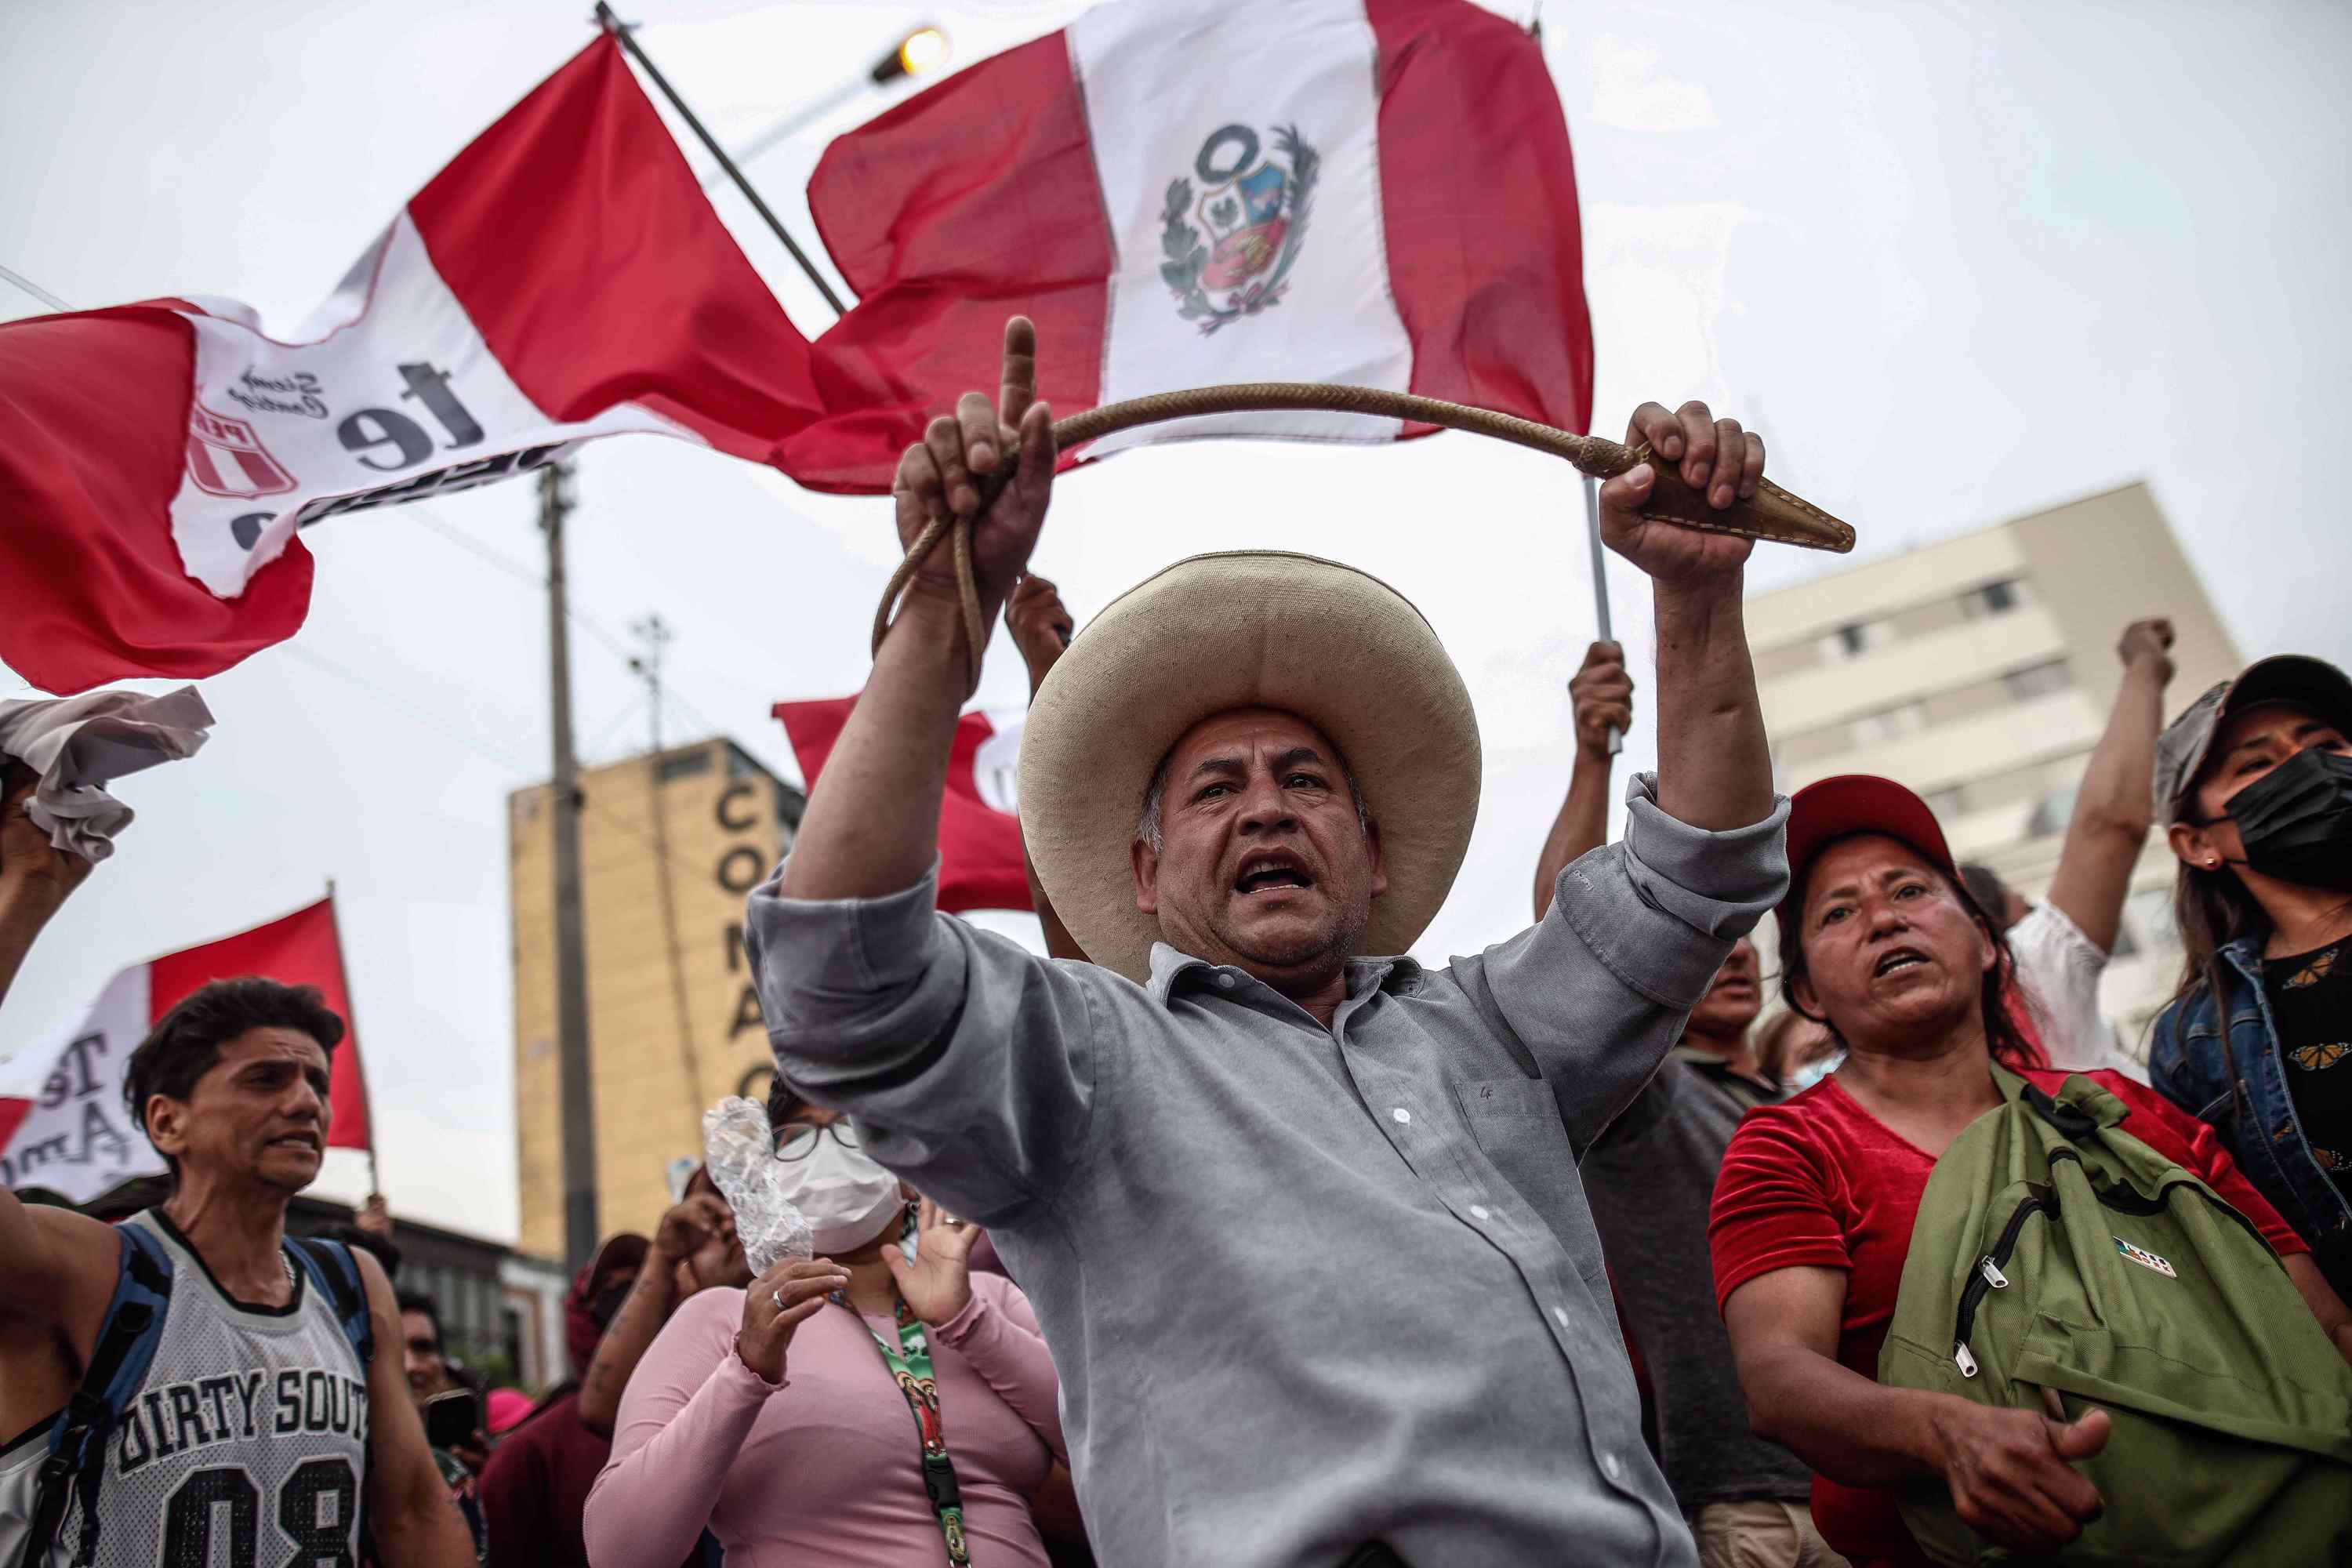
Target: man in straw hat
<point x="1300" y="1218"/>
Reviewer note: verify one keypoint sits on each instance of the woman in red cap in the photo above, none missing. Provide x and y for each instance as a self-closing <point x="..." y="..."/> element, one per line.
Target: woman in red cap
<point x="2255" y="784"/>
<point x="1815" y="1207"/>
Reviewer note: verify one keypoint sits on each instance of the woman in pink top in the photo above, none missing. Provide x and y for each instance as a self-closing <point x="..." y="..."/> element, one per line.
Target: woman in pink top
<point x="773" y="1416"/>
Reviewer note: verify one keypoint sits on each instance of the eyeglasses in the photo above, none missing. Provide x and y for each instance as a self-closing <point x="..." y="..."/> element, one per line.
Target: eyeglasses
<point x="799" y="1140"/>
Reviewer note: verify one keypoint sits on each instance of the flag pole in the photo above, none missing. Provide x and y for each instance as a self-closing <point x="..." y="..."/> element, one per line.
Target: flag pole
<point x="621" y="30"/>
<point x="335" y="924"/>
<point x="1600" y="583"/>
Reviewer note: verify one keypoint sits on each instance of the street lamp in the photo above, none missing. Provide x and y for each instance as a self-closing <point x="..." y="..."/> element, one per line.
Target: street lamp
<point x="920" y="53"/>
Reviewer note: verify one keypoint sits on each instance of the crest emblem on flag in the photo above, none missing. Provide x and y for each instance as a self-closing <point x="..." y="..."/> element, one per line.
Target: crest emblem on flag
<point x="1229" y="247"/>
<point x="226" y="458"/>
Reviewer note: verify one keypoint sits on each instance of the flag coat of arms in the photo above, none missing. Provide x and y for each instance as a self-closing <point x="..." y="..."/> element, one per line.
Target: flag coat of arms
<point x="1378" y="192"/>
<point x="63" y="1124"/>
<point x="981" y="865"/>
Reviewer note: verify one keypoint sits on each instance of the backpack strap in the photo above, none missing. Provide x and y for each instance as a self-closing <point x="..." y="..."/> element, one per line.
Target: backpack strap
<point x="127" y="1337"/>
<point x="335" y="1273"/>
<point x="2071" y="1121"/>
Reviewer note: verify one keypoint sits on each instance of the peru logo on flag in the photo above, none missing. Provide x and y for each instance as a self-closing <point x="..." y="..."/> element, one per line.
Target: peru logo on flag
<point x="226" y="458"/>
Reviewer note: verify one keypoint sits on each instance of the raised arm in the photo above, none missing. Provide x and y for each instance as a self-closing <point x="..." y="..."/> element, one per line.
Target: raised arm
<point x="682" y="1232"/>
<point x="1040" y="628"/>
<point x="411" y="1514"/>
<point x="1713" y="769"/>
<point x="58" y="1268"/>
<point x="1598" y="991"/>
<point x="36" y="878"/>
<point x="1602" y="695"/>
<point x="873" y="821"/>
<point x="2114" y="805"/>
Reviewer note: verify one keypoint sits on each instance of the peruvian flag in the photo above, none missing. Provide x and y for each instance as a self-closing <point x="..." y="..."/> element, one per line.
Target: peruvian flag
<point x="981" y="861"/>
<point x="63" y="1125"/>
<point x="1374" y="192"/>
<point x="564" y="278"/>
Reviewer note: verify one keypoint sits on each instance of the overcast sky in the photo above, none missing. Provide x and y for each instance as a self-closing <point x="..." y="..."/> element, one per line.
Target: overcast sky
<point x="1955" y="263"/>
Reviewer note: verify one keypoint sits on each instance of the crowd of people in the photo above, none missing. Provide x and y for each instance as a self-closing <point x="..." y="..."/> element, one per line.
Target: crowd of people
<point x="1225" y="1234"/>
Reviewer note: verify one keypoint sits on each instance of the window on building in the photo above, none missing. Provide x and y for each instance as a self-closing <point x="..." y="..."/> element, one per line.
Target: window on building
<point x="1853" y="639"/>
<point x="1947" y="803"/>
<point x="1889" y="724"/>
<point x="683" y="764"/>
<point x="1997" y="598"/>
<point x="2038" y="680"/>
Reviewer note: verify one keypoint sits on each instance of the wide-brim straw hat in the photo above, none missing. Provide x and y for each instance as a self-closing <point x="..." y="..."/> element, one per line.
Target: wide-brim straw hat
<point x="1256" y="628"/>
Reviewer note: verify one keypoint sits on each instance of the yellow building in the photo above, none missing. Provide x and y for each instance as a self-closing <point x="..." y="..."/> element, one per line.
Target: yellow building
<point x="1979" y="670"/>
<point x="669" y="842"/>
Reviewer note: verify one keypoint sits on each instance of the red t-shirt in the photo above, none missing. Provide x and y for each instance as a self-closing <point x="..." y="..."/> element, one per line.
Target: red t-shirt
<point x="1817" y="1182"/>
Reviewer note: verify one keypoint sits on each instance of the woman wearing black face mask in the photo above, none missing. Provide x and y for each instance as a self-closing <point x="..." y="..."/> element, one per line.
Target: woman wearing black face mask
<point x="2256" y="779"/>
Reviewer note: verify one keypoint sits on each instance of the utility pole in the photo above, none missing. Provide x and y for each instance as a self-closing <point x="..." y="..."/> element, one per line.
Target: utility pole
<point x="578" y="1097"/>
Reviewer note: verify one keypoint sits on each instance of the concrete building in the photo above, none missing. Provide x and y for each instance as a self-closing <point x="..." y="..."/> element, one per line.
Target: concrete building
<point x="669" y="842"/>
<point x="1979" y="671"/>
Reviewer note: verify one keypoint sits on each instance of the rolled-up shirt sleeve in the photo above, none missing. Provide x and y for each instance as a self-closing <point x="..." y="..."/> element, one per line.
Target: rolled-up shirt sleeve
<point x="966" y="1062"/>
<point x="1597" y="991"/>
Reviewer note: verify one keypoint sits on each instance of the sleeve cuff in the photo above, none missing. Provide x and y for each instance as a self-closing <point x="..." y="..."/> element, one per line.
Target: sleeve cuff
<point x="960" y="1327"/>
<point x="741" y="1383"/>
<point x="872" y="944"/>
<point x="1719" y="882"/>
<point x="1709" y="887"/>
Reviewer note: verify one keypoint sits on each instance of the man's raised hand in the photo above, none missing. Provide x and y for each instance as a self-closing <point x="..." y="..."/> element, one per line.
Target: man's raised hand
<point x="30" y="866"/>
<point x="1714" y="456"/>
<point x="1602" y="694"/>
<point x="1041" y="625"/>
<point x="943" y="475"/>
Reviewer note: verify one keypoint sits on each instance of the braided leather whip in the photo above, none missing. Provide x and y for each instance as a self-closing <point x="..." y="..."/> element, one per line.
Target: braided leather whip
<point x="1771" y="513"/>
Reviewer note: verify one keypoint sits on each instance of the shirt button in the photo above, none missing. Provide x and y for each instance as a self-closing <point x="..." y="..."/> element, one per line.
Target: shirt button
<point x="1224" y="983"/>
<point x="1560" y="1316"/>
<point x="1611" y="1467"/>
<point x="1479" y="1211"/>
<point x="1401" y="1114"/>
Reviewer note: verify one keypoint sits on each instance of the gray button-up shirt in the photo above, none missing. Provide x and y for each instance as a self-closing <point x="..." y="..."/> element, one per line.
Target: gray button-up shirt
<point x="1306" y="1287"/>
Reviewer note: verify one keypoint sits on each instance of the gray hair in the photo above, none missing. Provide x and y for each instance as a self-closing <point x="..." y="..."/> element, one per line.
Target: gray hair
<point x="1147" y="826"/>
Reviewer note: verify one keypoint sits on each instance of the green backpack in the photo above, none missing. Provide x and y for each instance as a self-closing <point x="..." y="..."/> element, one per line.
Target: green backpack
<point x="2054" y="1251"/>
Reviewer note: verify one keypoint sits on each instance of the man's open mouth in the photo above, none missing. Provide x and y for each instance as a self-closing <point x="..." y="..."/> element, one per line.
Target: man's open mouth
<point x="296" y="1141"/>
<point x="1266" y="872"/>
<point x="1895" y="959"/>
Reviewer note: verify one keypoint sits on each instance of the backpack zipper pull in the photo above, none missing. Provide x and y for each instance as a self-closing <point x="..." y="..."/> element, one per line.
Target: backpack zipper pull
<point x="1991" y="1272"/>
<point x="1963" y="1360"/>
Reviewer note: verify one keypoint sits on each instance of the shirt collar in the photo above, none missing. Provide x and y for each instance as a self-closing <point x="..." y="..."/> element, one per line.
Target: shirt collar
<point x="1169" y="967"/>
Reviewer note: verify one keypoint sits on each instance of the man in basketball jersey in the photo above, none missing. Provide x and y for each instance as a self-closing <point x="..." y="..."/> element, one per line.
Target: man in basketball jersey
<point x="257" y="1438"/>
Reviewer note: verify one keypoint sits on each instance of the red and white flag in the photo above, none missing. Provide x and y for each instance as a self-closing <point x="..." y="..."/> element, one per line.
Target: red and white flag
<point x="1375" y="192"/>
<point x="63" y="1124"/>
<point x="564" y="277"/>
<point x="981" y="863"/>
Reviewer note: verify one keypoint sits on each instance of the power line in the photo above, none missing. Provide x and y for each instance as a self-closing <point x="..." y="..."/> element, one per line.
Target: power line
<point x="34" y="289"/>
<point x="403" y="706"/>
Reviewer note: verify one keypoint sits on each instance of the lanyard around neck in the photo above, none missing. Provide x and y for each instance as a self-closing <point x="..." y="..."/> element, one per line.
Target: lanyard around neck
<point x="910" y="1363"/>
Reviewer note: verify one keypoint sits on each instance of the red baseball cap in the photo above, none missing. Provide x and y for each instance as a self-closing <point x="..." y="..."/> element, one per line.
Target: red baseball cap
<point x="1839" y="807"/>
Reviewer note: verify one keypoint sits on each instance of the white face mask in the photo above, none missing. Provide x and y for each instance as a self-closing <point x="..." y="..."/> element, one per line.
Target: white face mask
<point x="1812" y="1072"/>
<point x="848" y="1199"/>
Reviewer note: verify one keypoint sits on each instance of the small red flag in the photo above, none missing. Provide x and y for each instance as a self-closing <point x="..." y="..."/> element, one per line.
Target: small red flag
<point x="981" y="861"/>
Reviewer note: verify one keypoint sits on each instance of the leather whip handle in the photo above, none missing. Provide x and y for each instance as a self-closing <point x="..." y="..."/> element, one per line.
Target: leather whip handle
<point x="1771" y="513"/>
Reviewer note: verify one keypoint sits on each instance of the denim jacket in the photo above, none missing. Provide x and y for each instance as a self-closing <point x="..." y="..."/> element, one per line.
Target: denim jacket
<point x="2258" y="1122"/>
